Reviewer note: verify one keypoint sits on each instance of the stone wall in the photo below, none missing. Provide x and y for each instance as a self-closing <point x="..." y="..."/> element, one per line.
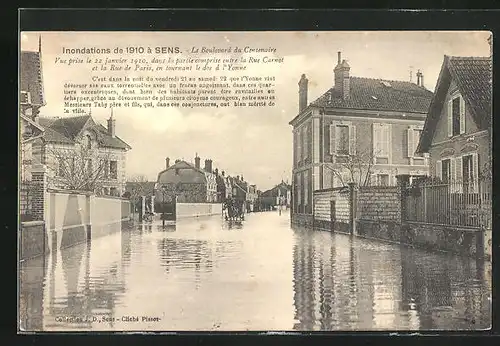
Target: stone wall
<point x="322" y="209"/>
<point x="305" y="220"/>
<point x="378" y="203"/>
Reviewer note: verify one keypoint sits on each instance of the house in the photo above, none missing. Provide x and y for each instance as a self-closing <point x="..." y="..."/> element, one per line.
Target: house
<point x="82" y="154"/>
<point x="278" y="195"/>
<point x="251" y="197"/>
<point x="224" y="187"/>
<point x="361" y="130"/>
<point x="458" y="130"/>
<point x="31" y="99"/>
<point x="187" y="182"/>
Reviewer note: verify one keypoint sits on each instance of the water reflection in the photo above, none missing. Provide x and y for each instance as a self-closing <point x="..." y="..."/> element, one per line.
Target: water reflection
<point x="345" y="283"/>
<point x="206" y="274"/>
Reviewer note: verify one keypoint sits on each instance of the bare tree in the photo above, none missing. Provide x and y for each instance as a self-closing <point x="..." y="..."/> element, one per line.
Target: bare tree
<point x="138" y="189"/>
<point x="354" y="168"/>
<point x="80" y="168"/>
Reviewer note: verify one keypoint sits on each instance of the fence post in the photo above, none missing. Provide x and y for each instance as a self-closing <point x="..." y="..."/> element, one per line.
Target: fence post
<point x="403" y="182"/>
<point x="352" y="207"/>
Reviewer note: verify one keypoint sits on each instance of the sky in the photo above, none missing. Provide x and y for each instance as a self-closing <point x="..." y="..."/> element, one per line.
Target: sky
<point x="255" y="143"/>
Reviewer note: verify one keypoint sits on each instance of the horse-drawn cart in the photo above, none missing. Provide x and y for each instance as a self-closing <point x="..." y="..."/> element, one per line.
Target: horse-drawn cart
<point x="233" y="209"/>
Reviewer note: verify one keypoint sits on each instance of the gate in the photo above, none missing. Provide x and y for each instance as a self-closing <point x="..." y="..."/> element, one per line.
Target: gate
<point x="169" y="211"/>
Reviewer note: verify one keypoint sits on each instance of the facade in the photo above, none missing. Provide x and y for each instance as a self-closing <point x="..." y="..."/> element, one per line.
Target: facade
<point x="81" y="154"/>
<point x="251" y="197"/>
<point x="187" y="182"/>
<point x="361" y="130"/>
<point x="31" y="99"/>
<point x="457" y="132"/>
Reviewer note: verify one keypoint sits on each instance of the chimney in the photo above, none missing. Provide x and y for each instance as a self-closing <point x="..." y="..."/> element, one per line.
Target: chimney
<point x="167" y="162"/>
<point x="111" y="125"/>
<point x="420" y="79"/>
<point x="242" y="178"/>
<point x="342" y="81"/>
<point x="223" y="173"/>
<point x="303" y="92"/>
<point x="238" y="177"/>
<point x="208" y="166"/>
<point x="197" y="161"/>
<point x="216" y="171"/>
<point x="177" y="161"/>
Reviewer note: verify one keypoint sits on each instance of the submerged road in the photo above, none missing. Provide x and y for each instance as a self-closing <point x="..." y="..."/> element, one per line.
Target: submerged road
<point x="206" y="275"/>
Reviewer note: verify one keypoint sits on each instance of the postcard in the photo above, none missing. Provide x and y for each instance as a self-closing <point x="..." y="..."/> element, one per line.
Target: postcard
<point x="255" y="181"/>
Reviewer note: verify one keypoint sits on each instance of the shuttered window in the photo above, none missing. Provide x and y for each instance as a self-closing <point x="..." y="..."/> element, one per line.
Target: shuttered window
<point x="382" y="141"/>
<point x="413" y="136"/>
<point x="342" y="138"/>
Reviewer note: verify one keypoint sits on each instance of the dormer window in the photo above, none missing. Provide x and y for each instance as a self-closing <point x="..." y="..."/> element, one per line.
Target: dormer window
<point x="456" y="115"/>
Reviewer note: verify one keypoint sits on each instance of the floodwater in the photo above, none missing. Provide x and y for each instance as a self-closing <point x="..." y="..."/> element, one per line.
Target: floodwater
<point x="206" y="275"/>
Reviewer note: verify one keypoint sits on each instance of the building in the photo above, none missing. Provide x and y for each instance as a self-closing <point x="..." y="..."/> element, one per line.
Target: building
<point x="140" y="193"/>
<point x="361" y="130"/>
<point x="31" y="99"/>
<point x="457" y="132"/>
<point x="187" y="182"/>
<point x="278" y="195"/>
<point x="82" y="154"/>
<point x="251" y="197"/>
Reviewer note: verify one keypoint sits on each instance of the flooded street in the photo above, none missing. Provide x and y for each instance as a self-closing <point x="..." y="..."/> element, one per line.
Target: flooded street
<point x="204" y="274"/>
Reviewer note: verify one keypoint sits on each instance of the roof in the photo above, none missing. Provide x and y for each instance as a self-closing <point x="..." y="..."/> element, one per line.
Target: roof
<point x="65" y="130"/>
<point x="473" y="76"/>
<point x="30" y="79"/>
<point x="377" y="94"/>
<point x="184" y="165"/>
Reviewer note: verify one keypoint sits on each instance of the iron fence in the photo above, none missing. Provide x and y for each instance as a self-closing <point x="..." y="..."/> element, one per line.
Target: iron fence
<point x="465" y="204"/>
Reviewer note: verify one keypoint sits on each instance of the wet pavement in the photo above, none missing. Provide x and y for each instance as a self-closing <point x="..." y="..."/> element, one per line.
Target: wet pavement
<point x="207" y="275"/>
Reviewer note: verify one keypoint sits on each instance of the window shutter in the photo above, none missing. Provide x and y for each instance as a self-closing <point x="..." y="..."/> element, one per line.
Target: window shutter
<point x="332" y="139"/>
<point x="462" y="115"/>
<point x="299" y="144"/>
<point x="439" y="169"/>
<point x="475" y="173"/>
<point x="388" y="142"/>
<point x="376" y="139"/>
<point x="450" y="118"/>
<point x="459" y="169"/>
<point x="410" y="142"/>
<point x="352" y="139"/>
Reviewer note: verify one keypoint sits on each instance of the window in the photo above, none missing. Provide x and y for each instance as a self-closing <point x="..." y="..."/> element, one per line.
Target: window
<point x="113" y="169"/>
<point x="113" y="191"/>
<point x="445" y="170"/>
<point x="382" y="143"/>
<point x="413" y="140"/>
<point x="61" y="168"/>
<point x="87" y="142"/>
<point x="88" y="166"/>
<point x="342" y="139"/>
<point x="342" y="136"/>
<point x="456" y="116"/>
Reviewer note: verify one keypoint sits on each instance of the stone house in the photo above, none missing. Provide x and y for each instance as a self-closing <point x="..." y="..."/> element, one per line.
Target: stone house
<point x="81" y="154"/>
<point x="278" y="195"/>
<point x="458" y="130"/>
<point x="188" y="182"/>
<point x="371" y="126"/>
